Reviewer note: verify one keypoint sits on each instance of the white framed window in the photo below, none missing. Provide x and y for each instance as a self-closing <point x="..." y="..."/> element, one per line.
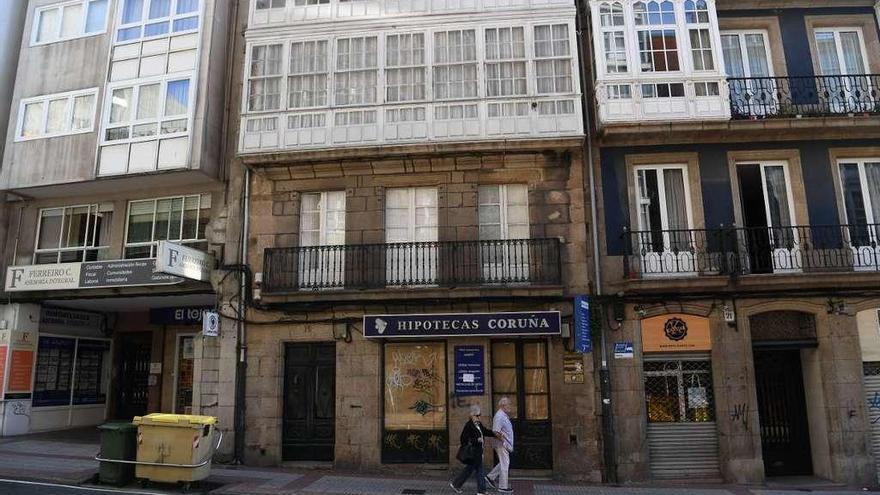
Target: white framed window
<point x="656" y="35"/>
<point x="321" y="226"/>
<point x="148" y="109"/>
<point x="181" y="219"/>
<point x="59" y="114"/>
<point x="505" y="65"/>
<point x="322" y="219"/>
<point x="264" y="77"/>
<point x="860" y="184"/>
<point x="309" y="69"/>
<point x="411" y="217"/>
<point x="613" y="32"/>
<point x="70" y="234"/>
<point x="148" y="19"/>
<point x="504" y="211"/>
<point x="405" y="70"/>
<point x="841" y="51"/>
<point x="553" y="59"/>
<point x="696" y="13"/>
<point x="663" y="90"/>
<point x="69" y="20"/>
<point x="663" y="198"/>
<point x="356" y="77"/>
<point x="269" y="4"/>
<point x="455" y="64"/>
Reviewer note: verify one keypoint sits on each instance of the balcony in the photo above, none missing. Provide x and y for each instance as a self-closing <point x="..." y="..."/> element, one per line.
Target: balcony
<point x="736" y="251"/>
<point x="518" y="262"/>
<point x="812" y="96"/>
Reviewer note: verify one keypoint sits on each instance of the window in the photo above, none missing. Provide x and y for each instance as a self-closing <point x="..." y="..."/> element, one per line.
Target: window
<point x="613" y="34"/>
<point x="57" y="115"/>
<point x="156" y="18"/>
<point x="504" y="215"/>
<point x="404" y="67"/>
<point x="415" y="413"/>
<point x="663" y="208"/>
<point x="73" y="233"/>
<point x="180" y="219"/>
<point x="455" y="64"/>
<point x="264" y="81"/>
<point x="552" y="59"/>
<point x="322" y="224"/>
<point x="504" y="212"/>
<point x="269" y="4"/>
<point x="655" y="30"/>
<point x="411" y="220"/>
<point x="71" y="371"/>
<point x="841" y="51"/>
<point x="662" y="90"/>
<point x="505" y="62"/>
<point x="356" y="76"/>
<point x="519" y="372"/>
<point x="69" y="20"/>
<point x="860" y="181"/>
<point x="149" y="109"/>
<point x="679" y="391"/>
<point x="307" y="84"/>
<point x="697" y="17"/>
<point x="747" y="63"/>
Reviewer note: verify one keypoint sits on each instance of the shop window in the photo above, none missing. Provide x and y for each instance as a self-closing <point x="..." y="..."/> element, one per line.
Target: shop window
<point x="679" y="391"/>
<point x="73" y="233"/>
<point x="180" y="219"/>
<point x="71" y="371"/>
<point x="183" y="388"/>
<point x="415" y="414"/>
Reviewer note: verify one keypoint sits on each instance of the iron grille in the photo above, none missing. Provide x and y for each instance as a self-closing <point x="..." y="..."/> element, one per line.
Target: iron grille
<point x="807" y="96"/>
<point x="679" y="391"/>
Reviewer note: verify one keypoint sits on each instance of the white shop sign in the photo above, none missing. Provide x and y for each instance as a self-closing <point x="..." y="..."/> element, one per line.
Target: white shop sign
<point x="183" y="261"/>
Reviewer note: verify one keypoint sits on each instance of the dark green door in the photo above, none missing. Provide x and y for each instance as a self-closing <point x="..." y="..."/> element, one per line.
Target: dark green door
<point x="309" y="402"/>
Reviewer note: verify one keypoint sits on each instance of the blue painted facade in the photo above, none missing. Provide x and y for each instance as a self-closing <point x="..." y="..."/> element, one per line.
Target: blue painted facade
<point x="717" y="192"/>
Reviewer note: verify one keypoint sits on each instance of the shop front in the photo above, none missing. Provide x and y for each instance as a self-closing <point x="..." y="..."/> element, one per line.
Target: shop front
<point x="679" y="397"/>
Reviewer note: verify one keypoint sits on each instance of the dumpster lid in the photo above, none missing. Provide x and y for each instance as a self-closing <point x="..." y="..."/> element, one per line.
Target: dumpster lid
<point x="117" y="426"/>
<point x="174" y="419"/>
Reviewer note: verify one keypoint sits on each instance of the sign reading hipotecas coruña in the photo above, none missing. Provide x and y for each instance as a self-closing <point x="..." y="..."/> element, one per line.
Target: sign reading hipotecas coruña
<point x="462" y="325"/>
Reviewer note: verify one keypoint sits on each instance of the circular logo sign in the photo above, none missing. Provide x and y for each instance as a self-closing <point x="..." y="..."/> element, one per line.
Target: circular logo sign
<point x="675" y="329"/>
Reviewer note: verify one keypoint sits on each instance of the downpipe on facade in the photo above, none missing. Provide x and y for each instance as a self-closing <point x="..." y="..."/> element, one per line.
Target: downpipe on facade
<point x="608" y="440"/>
<point x="241" y="347"/>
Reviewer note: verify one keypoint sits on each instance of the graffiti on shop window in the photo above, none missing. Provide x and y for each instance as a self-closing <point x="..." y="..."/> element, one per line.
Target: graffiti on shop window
<point x="436" y="443"/>
<point x="874" y="407"/>
<point x="423" y="407"/>
<point x="392" y="440"/>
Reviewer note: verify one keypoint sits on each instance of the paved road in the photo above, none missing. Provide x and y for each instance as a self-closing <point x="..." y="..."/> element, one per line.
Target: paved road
<point x="11" y="487"/>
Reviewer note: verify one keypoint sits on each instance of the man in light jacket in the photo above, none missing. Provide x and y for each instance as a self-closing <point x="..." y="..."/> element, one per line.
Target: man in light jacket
<point x="498" y="477"/>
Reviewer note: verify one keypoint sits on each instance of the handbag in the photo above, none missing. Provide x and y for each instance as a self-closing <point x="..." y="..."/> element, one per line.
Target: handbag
<point x="467" y="454"/>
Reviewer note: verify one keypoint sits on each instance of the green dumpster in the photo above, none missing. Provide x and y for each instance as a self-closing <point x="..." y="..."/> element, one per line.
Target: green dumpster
<point x="118" y="442"/>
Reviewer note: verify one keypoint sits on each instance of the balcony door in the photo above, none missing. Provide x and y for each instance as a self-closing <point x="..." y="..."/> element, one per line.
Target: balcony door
<point x="504" y="219"/>
<point x="664" y="240"/>
<point x="771" y="241"/>
<point x="411" y="236"/>
<point x="322" y="240"/>
<point x="860" y="181"/>
<point x="842" y="57"/>
<point x="747" y="61"/>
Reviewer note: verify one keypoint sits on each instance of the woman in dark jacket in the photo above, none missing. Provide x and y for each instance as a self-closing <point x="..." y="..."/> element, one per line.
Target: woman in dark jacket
<point x="472" y="435"/>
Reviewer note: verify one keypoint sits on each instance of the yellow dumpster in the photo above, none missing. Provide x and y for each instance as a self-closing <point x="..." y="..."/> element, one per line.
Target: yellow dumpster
<point x="174" y="448"/>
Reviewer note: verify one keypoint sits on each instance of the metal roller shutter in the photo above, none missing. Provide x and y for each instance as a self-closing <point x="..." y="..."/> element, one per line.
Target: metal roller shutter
<point x="872" y="403"/>
<point x="684" y="450"/>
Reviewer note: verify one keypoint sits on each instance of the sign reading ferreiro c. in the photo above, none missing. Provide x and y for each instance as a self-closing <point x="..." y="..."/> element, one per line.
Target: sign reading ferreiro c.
<point x="88" y="275"/>
<point x="462" y="325"/>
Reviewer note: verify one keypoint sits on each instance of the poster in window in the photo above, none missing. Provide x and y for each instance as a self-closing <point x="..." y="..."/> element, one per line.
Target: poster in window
<point x="415" y="403"/>
<point x="91" y="357"/>
<point x="53" y="371"/>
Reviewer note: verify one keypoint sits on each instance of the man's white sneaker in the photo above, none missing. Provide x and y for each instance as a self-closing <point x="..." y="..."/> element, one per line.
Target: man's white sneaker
<point x="505" y="490"/>
<point x="456" y="490"/>
<point x="490" y="483"/>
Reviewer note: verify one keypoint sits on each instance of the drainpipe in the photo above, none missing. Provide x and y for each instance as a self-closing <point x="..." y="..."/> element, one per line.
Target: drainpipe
<point x="241" y="365"/>
<point x="608" y="437"/>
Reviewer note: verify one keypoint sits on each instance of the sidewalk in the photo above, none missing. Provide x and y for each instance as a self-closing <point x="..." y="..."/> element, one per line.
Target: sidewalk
<point x="68" y="458"/>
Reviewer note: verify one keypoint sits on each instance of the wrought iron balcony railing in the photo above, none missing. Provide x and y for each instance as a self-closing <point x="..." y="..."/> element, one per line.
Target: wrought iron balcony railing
<point x="413" y="264"/>
<point x="810" y="96"/>
<point x="752" y="250"/>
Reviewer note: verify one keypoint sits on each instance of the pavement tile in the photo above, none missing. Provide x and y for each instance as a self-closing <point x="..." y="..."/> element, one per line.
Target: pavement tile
<point x="343" y="485"/>
<point x="542" y="489"/>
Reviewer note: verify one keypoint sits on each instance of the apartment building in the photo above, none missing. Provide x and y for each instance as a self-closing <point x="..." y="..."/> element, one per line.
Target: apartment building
<point x="739" y="168"/>
<point x="113" y="145"/>
<point x="412" y="177"/>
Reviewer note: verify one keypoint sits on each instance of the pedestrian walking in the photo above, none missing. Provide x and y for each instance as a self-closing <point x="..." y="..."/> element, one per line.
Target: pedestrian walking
<point x="499" y="476"/>
<point x="470" y="453"/>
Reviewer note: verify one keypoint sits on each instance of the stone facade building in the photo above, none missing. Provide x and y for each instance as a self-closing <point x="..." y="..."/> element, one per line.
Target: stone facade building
<point x="402" y="163"/>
